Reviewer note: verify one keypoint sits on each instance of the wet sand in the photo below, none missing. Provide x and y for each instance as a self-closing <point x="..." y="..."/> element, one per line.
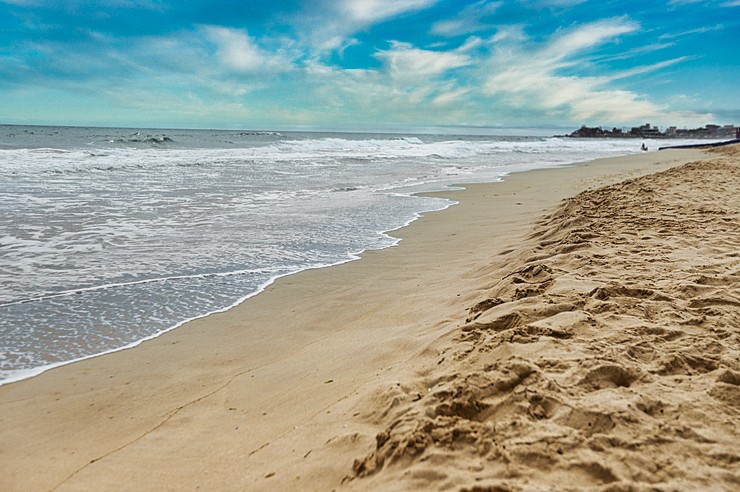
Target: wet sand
<point x="515" y="341"/>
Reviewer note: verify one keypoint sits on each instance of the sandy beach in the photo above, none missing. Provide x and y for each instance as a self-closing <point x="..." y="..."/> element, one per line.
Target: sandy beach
<point x="573" y="328"/>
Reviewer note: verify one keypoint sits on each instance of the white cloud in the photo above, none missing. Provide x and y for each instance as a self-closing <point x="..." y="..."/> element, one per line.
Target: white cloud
<point x="624" y="55"/>
<point x="406" y="60"/>
<point x="509" y="72"/>
<point x="332" y="25"/>
<point x="239" y="51"/>
<point x="502" y="77"/>
<point x="367" y="12"/>
<point x="468" y="20"/>
<point x="525" y="76"/>
<point x="509" y="33"/>
<point x="588" y="36"/>
<point x="699" y="30"/>
<point x="446" y="98"/>
<point x="647" y="68"/>
<point x="412" y="86"/>
<point x="471" y="43"/>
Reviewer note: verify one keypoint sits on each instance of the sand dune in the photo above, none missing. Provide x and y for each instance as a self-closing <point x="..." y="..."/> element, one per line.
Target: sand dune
<point x="603" y="353"/>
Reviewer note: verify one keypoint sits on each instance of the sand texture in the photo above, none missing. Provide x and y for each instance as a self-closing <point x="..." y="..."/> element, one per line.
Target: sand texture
<point x="604" y="353"/>
<point x="566" y="329"/>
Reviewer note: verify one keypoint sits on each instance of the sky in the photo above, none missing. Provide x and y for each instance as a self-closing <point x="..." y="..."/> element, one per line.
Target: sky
<point x="369" y="64"/>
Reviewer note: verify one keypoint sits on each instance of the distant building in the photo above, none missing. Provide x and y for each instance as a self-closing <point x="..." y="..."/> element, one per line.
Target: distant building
<point x="648" y="131"/>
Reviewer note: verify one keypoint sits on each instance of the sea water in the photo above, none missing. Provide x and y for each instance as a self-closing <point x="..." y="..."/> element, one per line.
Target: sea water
<point x="109" y="237"/>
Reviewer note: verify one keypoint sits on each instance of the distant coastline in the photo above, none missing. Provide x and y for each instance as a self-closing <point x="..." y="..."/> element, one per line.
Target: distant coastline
<point x="648" y="131"/>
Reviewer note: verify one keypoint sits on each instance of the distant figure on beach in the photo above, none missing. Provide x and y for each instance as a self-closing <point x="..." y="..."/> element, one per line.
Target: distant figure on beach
<point x="644" y="147"/>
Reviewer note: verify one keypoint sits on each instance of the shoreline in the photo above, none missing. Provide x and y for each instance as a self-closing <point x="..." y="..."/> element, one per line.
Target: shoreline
<point x="24" y="374"/>
<point x="312" y="343"/>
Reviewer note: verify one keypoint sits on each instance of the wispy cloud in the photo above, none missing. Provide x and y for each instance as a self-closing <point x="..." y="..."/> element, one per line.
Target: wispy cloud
<point x="571" y="42"/>
<point x="404" y="60"/>
<point x="308" y="62"/>
<point x="531" y="76"/>
<point x="332" y="25"/>
<point x="699" y="30"/>
<point x="634" y="52"/>
<point x="450" y="96"/>
<point x="370" y="11"/>
<point x="641" y="70"/>
<point x="469" y="20"/>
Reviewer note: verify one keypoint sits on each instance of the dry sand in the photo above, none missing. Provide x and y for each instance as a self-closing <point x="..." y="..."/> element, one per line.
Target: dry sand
<point x="512" y="342"/>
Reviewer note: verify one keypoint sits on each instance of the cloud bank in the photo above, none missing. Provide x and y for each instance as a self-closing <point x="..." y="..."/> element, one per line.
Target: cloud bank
<point x="355" y="63"/>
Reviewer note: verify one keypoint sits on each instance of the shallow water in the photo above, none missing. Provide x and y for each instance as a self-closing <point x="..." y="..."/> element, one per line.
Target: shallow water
<point x="112" y="236"/>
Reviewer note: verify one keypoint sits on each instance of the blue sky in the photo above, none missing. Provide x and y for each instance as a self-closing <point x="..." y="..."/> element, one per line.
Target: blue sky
<point x="369" y="64"/>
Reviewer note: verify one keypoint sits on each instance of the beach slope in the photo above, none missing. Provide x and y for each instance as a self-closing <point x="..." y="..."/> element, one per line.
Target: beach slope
<point x="516" y="341"/>
<point x="605" y="352"/>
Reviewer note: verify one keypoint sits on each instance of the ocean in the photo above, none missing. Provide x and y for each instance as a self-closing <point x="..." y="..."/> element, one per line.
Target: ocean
<point x="109" y="237"/>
